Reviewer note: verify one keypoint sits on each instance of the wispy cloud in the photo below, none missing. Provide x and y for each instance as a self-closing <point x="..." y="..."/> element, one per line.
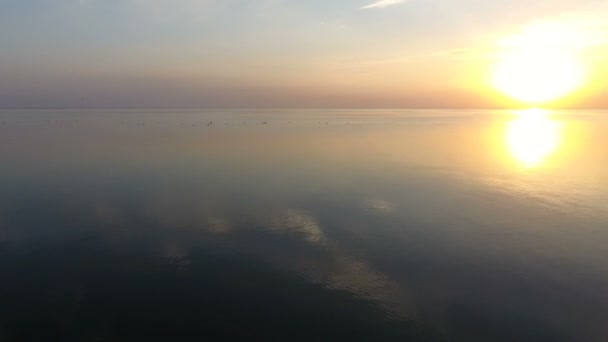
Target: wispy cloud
<point x="582" y="30"/>
<point x="590" y="23"/>
<point x="382" y="4"/>
<point x="466" y="53"/>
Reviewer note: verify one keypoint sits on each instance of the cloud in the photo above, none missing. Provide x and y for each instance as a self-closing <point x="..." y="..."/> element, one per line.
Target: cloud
<point x="582" y="30"/>
<point x="466" y="53"/>
<point x="590" y="23"/>
<point x="383" y="4"/>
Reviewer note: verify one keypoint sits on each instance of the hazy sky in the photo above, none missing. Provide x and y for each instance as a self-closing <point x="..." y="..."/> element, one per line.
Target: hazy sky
<point x="274" y="53"/>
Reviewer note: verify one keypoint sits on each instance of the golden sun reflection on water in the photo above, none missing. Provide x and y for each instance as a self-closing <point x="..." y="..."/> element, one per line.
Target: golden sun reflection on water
<point x="533" y="137"/>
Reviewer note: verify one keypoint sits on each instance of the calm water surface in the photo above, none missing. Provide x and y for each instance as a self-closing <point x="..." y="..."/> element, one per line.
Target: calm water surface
<point x="122" y="225"/>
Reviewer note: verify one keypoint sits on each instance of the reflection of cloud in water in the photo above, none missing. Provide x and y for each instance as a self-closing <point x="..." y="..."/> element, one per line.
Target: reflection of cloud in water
<point x="300" y="222"/>
<point x="346" y="273"/>
<point x="217" y="225"/>
<point x="377" y="206"/>
<point x="175" y="250"/>
<point x="337" y="269"/>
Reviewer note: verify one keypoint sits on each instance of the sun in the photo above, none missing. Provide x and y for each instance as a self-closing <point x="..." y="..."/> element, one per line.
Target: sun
<point x="539" y="65"/>
<point x="538" y="77"/>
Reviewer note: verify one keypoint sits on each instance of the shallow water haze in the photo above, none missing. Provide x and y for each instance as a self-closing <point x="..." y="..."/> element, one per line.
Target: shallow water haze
<point x="462" y="225"/>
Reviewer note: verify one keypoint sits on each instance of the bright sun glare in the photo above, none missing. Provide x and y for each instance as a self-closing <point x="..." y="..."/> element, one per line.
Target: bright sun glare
<point x="532" y="137"/>
<point x="539" y="65"/>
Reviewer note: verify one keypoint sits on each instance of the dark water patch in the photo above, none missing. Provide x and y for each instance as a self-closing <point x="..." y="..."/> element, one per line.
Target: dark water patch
<point x="79" y="293"/>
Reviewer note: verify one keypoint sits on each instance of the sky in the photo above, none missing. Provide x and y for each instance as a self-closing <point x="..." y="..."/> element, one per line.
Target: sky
<point x="279" y="53"/>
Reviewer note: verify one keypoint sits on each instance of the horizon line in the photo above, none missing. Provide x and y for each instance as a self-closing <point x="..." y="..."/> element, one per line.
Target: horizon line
<point x="305" y="108"/>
